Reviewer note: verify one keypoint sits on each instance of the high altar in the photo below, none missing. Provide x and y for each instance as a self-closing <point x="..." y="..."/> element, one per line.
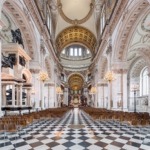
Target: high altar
<point x="75" y="101"/>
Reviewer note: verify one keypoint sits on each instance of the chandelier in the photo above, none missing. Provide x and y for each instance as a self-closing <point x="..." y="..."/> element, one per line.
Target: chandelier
<point x="59" y="90"/>
<point x="93" y="90"/>
<point x="109" y="76"/>
<point x="43" y="76"/>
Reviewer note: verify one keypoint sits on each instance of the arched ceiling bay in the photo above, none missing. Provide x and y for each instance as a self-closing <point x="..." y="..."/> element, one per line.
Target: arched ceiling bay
<point x="76" y="34"/>
<point x="75" y="82"/>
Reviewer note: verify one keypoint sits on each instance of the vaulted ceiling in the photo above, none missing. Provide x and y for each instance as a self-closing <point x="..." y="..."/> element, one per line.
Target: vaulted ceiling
<point x="75" y="82"/>
<point x="76" y="34"/>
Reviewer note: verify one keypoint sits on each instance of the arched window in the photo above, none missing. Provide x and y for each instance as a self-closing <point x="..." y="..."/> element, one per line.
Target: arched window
<point x="144" y="84"/>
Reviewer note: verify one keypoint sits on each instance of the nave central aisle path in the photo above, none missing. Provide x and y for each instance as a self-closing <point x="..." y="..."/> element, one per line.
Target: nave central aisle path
<point x="56" y="134"/>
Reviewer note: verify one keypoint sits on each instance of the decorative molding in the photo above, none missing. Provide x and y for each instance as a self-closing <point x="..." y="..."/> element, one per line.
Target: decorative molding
<point x="120" y="71"/>
<point x="35" y="71"/>
<point x="76" y="21"/>
<point x="145" y="23"/>
<point x="129" y="23"/>
<point x="102" y="84"/>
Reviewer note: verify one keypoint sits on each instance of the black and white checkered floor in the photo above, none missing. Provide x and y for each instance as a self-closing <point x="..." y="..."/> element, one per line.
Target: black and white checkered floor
<point x="54" y="134"/>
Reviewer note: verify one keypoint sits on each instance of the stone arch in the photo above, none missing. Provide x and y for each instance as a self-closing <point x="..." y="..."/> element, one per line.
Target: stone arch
<point x="127" y="26"/>
<point x="27" y="74"/>
<point x="76" y="81"/>
<point x="22" y="19"/>
<point x="76" y="34"/>
<point x="135" y="68"/>
<point x="142" y="51"/>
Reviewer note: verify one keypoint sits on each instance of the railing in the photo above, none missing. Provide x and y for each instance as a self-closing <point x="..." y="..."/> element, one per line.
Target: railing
<point x="141" y="104"/>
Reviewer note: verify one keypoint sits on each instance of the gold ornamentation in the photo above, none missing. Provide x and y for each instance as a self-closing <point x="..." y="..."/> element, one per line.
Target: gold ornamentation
<point x="76" y="34"/>
<point x="59" y="90"/>
<point x="75" y="82"/>
<point x="76" y="21"/>
<point x="109" y="76"/>
<point x="43" y="76"/>
<point x="93" y="90"/>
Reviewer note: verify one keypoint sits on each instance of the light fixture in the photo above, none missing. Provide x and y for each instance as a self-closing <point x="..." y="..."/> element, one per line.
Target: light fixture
<point x="134" y="88"/>
<point x="93" y="90"/>
<point x="109" y="76"/>
<point x="43" y="76"/>
<point x="59" y="90"/>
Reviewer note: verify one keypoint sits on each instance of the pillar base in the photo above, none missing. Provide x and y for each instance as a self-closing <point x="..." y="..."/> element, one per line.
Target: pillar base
<point x="1" y="114"/>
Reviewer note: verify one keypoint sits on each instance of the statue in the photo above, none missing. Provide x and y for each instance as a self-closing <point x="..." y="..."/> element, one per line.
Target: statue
<point x="8" y="61"/>
<point x="17" y="38"/>
<point x="22" y="61"/>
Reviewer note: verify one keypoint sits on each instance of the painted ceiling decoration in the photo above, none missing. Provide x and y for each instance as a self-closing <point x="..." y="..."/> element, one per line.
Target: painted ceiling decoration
<point x="76" y="34"/>
<point x="82" y="13"/>
<point x="76" y="82"/>
<point x="146" y="23"/>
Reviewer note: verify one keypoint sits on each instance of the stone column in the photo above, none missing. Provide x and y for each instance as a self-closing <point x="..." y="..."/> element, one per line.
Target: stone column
<point x="109" y="55"/>
<point x="51" y="95"/>
<point x="13" y="95"/>
<point x="121" y="79"/>
<point x="1" y="26"/>
<point x="101" y="95"/>
<point x="20" y="95"/>
<point x="149" y="92"/>
<point x="48" y="86"/>
<point x="4" y="95"/>
<point x="66" y="96"/>
<point x="28" y="97"/>
<point x="17" y="95"/>
<point x="42" y="95"/>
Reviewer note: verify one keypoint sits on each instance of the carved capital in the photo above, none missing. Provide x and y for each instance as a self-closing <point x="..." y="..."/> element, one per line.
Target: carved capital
<point x="102" y="84"/>
<point x="35" y="71"/>
<point x="120" y="71"/>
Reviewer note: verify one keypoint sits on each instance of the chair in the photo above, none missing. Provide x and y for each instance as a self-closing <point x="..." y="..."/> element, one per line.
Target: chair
<point x="12" y="129"/>
<point x="3" y="131"/>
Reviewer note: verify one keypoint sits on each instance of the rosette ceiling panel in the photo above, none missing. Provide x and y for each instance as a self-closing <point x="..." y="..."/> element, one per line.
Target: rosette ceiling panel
<point x="76" y="82"/>
<point x="76" y="34"/>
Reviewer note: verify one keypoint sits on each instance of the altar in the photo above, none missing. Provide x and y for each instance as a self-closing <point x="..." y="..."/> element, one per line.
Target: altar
<point x="75" y="102"/>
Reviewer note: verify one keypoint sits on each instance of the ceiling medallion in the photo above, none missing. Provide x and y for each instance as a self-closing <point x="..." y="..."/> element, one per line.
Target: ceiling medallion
<point x="75" y="21"/>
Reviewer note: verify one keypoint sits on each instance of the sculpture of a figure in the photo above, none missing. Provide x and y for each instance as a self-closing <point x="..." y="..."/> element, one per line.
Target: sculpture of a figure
<point x="17" y="38"/>
<point x="8" y="61"/>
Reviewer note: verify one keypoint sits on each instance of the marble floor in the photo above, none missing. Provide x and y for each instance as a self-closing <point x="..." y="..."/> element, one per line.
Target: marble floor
<point x="57" y="134"/>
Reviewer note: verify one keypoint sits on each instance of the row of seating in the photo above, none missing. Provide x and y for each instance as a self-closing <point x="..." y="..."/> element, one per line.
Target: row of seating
<point x="130" y="118"/>
<point x="16" y="123"/>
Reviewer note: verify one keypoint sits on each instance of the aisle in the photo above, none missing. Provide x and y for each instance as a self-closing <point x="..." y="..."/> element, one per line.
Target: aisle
<point x="56" y="135"/>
